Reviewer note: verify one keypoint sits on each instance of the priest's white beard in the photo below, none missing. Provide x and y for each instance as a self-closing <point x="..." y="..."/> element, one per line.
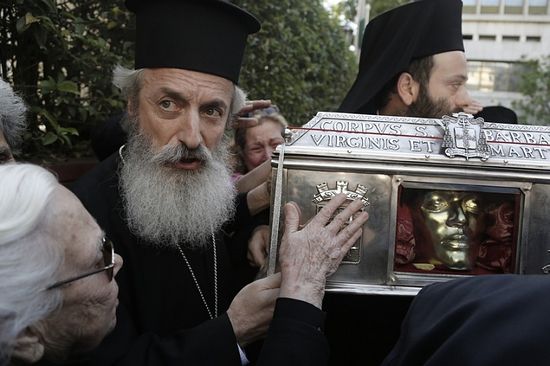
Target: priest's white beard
<point x="168" y="206"/>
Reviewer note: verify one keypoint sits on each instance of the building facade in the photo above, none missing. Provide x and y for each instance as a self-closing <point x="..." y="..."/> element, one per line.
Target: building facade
<point x="498" y="34"/>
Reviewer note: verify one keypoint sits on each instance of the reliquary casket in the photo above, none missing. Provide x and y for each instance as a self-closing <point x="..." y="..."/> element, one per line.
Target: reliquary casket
<point x="447" y="198"/>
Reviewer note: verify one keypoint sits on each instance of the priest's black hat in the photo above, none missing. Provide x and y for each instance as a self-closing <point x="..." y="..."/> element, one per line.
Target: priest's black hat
<point x="395" y="38"/>
<point x="200" y="35"/>
<point x="499" y="114"/>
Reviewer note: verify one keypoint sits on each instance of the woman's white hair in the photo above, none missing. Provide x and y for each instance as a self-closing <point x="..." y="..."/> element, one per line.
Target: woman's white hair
<point x="29" y="259"/>
<point x="13" y="111"/>
<point x="130" y="81"/>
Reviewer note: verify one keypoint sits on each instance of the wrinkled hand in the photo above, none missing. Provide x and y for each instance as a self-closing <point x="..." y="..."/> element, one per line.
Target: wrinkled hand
<point x="241" y="119"/>
<point x="251" y="310"/>
<point x="309" y="255"/>
<point x="473" y="107"/>
<point x="258" y="246"/>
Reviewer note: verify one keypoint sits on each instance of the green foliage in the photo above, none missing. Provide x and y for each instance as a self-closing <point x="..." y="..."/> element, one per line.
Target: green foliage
<point x="300" y="59"/>
<point x="348" y="8"/>
<point x="535" y="87"/>
<point x="380" y="6"/>
<point x="59" y="56"/>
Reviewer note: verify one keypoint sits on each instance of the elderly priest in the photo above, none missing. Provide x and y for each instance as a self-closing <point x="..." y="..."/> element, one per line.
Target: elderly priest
<point x="166" y="201"/>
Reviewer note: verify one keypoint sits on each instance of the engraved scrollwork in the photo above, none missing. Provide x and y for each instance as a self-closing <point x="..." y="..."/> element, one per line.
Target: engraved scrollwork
<point x="326" y="194"/>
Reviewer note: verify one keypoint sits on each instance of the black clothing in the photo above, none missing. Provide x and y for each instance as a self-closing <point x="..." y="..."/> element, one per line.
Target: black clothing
<point x="295" y="336"/>
<point x="362" y="329"/>
<point x="496" y="320"/>
<point x="108" y="137"/>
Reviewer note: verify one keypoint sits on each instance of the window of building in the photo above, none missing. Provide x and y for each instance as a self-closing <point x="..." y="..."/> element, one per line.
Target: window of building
<point x="538" y="7"/>
<point x="533" y="39"/>
<point x="468" y="37"/>
<point x="513" y="6"/>
<point x="487" y="37"/>
<point x="490" y="6"/>
<point x="494" y="76"/>
<point x="510" y="38"/>
<point x="469" y="6"/>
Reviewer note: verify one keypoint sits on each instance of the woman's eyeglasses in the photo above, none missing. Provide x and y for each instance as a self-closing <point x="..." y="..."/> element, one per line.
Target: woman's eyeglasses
<point x="108" y="251"/>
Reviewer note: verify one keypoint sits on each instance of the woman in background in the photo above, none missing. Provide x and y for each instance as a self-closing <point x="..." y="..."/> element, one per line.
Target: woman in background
<point x="254" y="146"/>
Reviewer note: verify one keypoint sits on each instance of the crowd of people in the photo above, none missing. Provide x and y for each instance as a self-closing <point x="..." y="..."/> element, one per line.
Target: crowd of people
<point x="137" y="263"/>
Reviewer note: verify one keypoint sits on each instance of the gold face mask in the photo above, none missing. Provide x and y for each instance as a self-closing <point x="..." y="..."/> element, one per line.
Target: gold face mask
<point x="451" y="219"/>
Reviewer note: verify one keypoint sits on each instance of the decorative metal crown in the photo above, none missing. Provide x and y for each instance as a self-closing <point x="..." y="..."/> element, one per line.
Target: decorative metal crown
<point x="326" y="194"/>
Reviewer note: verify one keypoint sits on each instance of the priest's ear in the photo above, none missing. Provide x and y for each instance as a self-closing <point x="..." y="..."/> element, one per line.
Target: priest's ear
<point x="28" y="347"/>
<point x="407" y="88"/>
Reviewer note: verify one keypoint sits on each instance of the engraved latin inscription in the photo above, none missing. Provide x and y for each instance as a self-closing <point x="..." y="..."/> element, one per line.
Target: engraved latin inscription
<point x="421" y="146"/>
<point x="425" y="139"/>
<point x="358" y="142"/>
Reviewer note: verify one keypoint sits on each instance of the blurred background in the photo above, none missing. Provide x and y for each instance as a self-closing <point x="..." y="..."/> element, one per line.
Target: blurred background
<point x="59" y="55"/>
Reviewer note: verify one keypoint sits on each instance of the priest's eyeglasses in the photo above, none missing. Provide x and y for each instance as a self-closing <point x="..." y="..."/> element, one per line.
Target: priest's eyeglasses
<point x="108" y="251"/>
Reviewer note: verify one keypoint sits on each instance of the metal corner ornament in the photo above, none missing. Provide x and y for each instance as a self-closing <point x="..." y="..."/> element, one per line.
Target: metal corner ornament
<point x="464" y="136"/>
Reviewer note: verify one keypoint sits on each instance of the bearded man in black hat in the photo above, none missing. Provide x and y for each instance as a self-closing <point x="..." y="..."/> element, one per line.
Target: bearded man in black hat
<point x="166" y="201"/>
<point x="412" y="64"/>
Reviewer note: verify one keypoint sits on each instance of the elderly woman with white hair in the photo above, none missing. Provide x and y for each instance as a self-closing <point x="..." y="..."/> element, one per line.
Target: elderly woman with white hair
<point x="56" y="270"/>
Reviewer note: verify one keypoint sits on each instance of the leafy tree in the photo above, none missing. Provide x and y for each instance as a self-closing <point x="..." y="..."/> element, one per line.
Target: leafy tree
<point x="59" y="56"/>
<point x="380" y="6"/>
<point x="348" y="8"/>
<point x="535" y="87"/>
<point x="300" y="58"/>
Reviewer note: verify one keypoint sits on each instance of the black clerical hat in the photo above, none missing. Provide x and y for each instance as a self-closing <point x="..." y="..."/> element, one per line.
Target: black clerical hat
<point x="201" y="35"/>
<point x="499" y="114"/>
<point x="395" y="38"/>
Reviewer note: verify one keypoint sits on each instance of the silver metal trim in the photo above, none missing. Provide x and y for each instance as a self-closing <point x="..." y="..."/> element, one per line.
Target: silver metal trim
<point x="275" y="224"/>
